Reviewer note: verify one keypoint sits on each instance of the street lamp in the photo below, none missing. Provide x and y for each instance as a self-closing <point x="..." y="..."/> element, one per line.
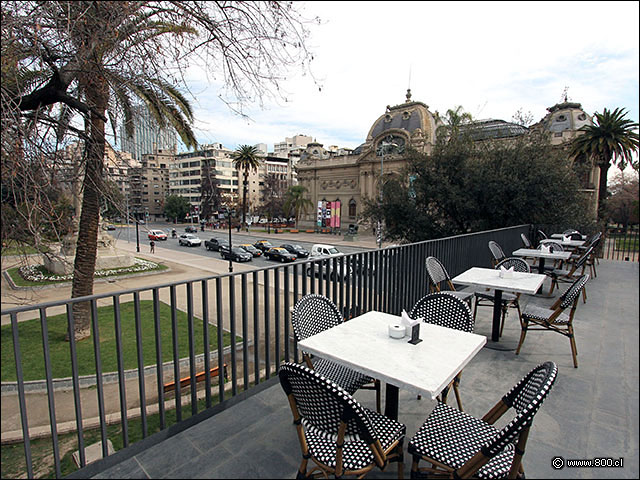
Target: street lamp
<point x="384" y="146"/>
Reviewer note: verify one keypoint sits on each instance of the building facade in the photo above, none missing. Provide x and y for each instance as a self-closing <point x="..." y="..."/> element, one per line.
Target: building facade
<point x="149" y="184"/>
<point x="148" y="136"/>
<point x="349" y="177"/>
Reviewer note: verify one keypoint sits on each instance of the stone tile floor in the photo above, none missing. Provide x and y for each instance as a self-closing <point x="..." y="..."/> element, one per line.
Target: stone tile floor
<point x="591" y="412"/>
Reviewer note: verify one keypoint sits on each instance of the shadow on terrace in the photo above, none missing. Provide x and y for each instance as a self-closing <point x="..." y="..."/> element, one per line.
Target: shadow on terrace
<point x="591" y="412"/>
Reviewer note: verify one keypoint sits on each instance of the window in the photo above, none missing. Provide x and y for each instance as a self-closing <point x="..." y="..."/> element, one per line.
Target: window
<point x="352" y="208"/>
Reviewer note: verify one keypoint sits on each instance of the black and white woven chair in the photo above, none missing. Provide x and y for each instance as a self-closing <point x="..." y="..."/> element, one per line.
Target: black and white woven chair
<point x="337" y="433"/>
<point x="446" y="310"/>
<point x="592" y="241"/>
<point x="461" y="446"/>
<point x="525" y="241"/>
<point x="441" y="281"/>
<point x="554" y="318"/>
<point x="497" y="254"/>
<point x="573" y="271"/>
<point x="314" y="314"/>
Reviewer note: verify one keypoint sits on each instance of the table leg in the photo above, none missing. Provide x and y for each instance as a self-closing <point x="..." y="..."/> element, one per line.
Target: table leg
<point x="391" y="401"/>
<point x="494" y="343"/>
<point x="541" y="266"/>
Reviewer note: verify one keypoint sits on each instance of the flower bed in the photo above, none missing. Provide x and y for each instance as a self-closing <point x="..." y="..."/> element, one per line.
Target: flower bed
<point x="37" y="273"/>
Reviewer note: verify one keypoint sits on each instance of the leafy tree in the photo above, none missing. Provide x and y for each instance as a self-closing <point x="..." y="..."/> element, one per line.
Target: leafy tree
<point x="273" y="196"/>
<point x="176" y="207"/>
<point x="466" y="186"/>
<point x="296" y="201"/>
<point x="245" y="158"/>
<point x="613" y="139"/>
<point x="98" y="59"/>
<point x="622" y="205"/>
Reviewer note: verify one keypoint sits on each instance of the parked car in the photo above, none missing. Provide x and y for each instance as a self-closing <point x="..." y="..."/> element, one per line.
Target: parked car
<point x="323" y="250"/>
<point x="108" y="227"/>
<point x="215" y="243"/>
<point x="190" y="240"/>
<point x="251" y="249"/>
<point x="279" y="254"/>
<point x="340" y="272"/>
<point x="191" y="229"/>
<point x="237" y="254"/>
<point x="297" y="250"/>
<point x="263" y="245"/>
<point x="157" y="235"/>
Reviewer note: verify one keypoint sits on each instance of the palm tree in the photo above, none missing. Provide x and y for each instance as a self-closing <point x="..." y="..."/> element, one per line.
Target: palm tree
<point x="611" y="139"/>
<point x="245" y="158"/>
<point x="296" y="201"/>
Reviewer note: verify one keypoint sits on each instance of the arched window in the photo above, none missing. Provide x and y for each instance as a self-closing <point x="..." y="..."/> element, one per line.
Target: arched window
<point x="352" y="208"/>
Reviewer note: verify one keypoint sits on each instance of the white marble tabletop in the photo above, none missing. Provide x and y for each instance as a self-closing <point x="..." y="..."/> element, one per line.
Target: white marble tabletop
<point x="521" y="282"/>
<point x="560" y="236"/>
<point x="363" y="344"/>
<point x="536" y="252"/>
<point x="564" y="243"/>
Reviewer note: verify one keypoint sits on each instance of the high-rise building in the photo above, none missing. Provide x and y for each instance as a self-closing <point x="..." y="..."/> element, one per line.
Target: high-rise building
<point x="148" y="136"/>
<point x="149" y="184"/>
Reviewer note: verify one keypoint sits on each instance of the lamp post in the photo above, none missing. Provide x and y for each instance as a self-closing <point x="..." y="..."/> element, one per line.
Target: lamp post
<point x="384" y="146"/>
<point x="137" y="232"/>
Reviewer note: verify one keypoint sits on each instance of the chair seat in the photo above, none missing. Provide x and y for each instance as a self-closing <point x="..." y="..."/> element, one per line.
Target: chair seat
<point x="463" y="294"/>
<point x="538" y="312"/>
<point x="347" y="378"/>
<point x="356" y="453"/>
<point x="452" y="437"/>
<point x="490" y="295"/>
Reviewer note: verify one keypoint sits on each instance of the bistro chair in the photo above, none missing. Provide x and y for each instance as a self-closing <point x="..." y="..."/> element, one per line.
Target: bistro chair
<point x="337" y="433"/>
<point x="542" y="235"/>
<point x="446" y="310"/>
<point x="496" y="253"/>
<point x="441" y="281"/>
<point x="314" y="314"/>
<point x="592" y="241"/>
<point x="525" y="241"/>
<point x="509" y="300"/>
<point x="554" y="246"/>
<point x="554" y="318"/>
<point x="570" y="274"/>
<point x="459" y="445"/>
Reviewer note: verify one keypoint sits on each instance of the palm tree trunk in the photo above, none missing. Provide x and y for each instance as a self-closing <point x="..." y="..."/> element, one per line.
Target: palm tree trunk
<point x="86" y="250"/>
<point x="602" y="190"/>
<point x="244" y="198"/>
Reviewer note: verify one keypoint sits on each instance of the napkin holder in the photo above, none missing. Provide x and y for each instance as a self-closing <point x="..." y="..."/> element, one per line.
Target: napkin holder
<point x="545" y="249"/>
<point x="504" y="273"/>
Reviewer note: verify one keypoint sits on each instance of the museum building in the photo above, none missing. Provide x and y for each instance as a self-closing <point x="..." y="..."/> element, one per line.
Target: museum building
<point x="350" y="179"/>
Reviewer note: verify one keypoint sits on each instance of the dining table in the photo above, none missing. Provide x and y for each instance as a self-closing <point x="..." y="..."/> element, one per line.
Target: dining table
<point x="496" y="280"/>
<point x="560" y="236"/>
<point x="364" y="344"/>
<point x="542" y="255"/>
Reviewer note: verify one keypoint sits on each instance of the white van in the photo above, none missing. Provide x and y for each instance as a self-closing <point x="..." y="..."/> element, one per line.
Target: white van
<point x="320" y="249"/>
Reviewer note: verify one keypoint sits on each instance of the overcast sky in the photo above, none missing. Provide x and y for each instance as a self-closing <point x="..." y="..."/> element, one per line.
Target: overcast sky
<point x="492" y="58"/>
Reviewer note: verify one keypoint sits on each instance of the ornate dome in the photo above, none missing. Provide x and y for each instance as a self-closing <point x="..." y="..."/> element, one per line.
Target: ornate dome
<point x="412" y="117"/>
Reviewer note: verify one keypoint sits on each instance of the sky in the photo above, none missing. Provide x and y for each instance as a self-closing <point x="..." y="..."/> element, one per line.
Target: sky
<point x="492" y="58"/>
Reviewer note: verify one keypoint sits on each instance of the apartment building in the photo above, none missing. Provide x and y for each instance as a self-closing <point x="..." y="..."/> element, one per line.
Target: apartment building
<point x="149" y="184"/>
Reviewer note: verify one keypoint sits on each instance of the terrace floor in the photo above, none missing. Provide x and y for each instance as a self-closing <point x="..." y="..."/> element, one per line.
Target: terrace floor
<point x="591" y="412"/>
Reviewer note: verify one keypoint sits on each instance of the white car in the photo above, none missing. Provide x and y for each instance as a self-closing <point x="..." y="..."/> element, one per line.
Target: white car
<point x="322" y="250"/>
<point x="189" y="239"/>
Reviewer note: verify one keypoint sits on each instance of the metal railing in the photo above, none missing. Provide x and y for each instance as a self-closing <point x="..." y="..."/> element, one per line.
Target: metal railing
<point x="253" y="307"/>
<point x="621" y="244"/>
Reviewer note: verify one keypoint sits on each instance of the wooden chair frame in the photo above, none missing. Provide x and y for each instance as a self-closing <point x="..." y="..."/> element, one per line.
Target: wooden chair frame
<point x="551" y="325"/>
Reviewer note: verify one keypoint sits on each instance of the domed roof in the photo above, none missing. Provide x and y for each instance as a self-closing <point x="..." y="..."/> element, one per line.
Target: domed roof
<point x="409" y="116"/>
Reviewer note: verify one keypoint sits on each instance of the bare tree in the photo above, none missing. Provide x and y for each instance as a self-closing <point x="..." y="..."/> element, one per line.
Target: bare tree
<point x="97" y="59"/>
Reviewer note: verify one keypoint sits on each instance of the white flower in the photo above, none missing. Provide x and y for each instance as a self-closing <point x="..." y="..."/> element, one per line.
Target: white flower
<point x="33" y="273"/>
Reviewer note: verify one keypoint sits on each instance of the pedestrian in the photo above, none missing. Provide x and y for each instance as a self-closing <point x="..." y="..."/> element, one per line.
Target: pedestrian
<point x="152" y="244"/>
<point x="238" y="227"/>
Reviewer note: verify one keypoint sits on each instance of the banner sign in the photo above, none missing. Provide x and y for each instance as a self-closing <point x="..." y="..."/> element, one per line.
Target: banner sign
<point x="319" y="217"/>
<point x="338" y="213"/>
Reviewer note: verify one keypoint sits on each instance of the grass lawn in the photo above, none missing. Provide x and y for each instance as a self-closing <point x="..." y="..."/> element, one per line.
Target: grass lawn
<point x="48" y="278"/>
<point x="32" y="353"/>
<point x="627" y="244"/>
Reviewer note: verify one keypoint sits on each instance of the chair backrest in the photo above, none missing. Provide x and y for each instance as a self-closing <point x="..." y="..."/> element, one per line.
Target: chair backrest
<point x="569" y="298"/>
<point x="314" y="314"/>
<point x="437" y="273"/>
<point x="525" y="241"/>
<point x="518" y="264"/>
<point x="323" y="405"/>
<point x="526" y="398"/>
<point x="570" y="231"/>
<point x="496" y="251"/>
<point x="541" y="234"/>
<point x="583" y="258"/>
<point x="444" y="309"/>
<point x="593" y="240"/>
